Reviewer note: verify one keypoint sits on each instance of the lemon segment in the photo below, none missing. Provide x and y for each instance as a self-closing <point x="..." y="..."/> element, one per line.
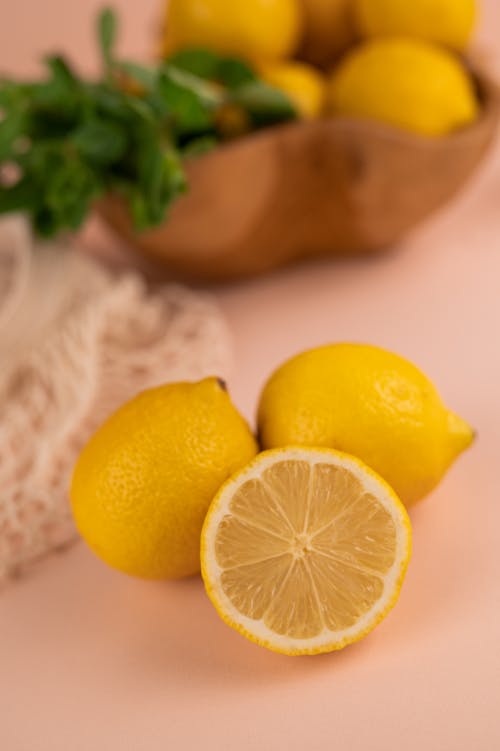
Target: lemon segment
<point x="305" y="550"/>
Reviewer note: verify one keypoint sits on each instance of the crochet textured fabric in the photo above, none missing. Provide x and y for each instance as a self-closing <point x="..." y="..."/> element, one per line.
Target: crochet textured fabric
<point x="75" y="343"/>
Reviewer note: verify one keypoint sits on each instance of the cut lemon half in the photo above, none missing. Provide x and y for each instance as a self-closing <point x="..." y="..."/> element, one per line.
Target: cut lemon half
<point x="305" y="550"/>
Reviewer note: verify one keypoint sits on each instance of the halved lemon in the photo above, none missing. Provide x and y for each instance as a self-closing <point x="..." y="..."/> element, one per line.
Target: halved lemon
<point x="305" y="550"/>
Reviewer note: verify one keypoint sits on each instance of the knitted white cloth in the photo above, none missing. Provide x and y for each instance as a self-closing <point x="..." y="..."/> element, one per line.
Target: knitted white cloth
<point x="75" y="343"/>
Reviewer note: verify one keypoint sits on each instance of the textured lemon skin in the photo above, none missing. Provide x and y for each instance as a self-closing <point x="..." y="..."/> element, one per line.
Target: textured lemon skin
<point x="214" y="596"/>
<point x="253" y="29"/>
<point x="143" y="483"/>
<point x="304" y="85"/>
<point x="448" y="22"/>
<point x="370" y="403"/>
<point x="409" y="84"/>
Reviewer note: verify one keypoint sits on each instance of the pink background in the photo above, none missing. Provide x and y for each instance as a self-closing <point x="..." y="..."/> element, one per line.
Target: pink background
<point x="91" y="660"/>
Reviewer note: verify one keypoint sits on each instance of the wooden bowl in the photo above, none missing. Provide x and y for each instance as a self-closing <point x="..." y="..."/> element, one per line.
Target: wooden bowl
<point x="333" y="186"/>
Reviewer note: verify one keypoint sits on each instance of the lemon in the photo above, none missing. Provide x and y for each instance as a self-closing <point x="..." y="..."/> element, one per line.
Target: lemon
<point x="448" y="22"/>
<point x="329" y="29"/>
<point x="305" y="550"/>
<point x="303" y="84"/>
<point x="370" y="403"/>
<point x="143" y="483"/>
<point x="253" y="29"/>
<point x="409" y="84"/>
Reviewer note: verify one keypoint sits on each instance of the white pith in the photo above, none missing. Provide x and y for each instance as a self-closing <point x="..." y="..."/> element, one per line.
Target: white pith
<point x="257" y="628"/>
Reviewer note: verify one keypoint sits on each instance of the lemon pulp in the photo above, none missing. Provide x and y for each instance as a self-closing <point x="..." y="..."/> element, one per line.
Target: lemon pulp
<point x="305" y="550"/>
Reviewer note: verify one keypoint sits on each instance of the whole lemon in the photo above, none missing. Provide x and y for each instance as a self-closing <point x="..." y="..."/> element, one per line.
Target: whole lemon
<point x="406" y="83"/>
<point x="329" y="29"/>
<point x="304" y="85"/>
<point x="143" y="483"/>
<point x="367" y="402"/>
<point x="448" y="22"/>
<point x="253" y="29"/>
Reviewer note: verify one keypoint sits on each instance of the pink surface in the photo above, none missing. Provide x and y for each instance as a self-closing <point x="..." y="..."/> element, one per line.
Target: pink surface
<point x="92" y="660"/>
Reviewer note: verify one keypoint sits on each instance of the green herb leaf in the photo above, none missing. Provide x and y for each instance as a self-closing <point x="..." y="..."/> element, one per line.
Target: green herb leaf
<point x="72" y="140"/>
<point x="199" y="146"/>
<point x="190" y="101"/>
<point x="21" y="196"/>
<point x="107" y="29"/>
<point x="150" y="177"/>
<point x="228" y="71"/>
<point x="13" y="94"/>
<point x="101" y="142"/>
<point x="234" y="73"/>
<point x="12" y="129"/>
<point x="70" y="192"/>
<point x="61" y="71"/>
<point x="265" y="104"/>
<point x="199" y="62"/>
<point x="144" y="76"/>
<point x="161" y="179"/>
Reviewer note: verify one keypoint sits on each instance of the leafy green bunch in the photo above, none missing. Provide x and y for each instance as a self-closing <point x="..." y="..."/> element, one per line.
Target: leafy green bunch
<point x="65" y="141"/>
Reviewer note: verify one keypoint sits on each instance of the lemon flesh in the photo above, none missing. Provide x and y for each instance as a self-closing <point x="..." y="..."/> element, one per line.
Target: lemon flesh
<point x="409" y="84"/>
<point x="142" y="485"/>
<point x="448" y="22"/>
<point x="370" y="403"/>
<point x="305" y="550"/>
<point x="253" y="29"/>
